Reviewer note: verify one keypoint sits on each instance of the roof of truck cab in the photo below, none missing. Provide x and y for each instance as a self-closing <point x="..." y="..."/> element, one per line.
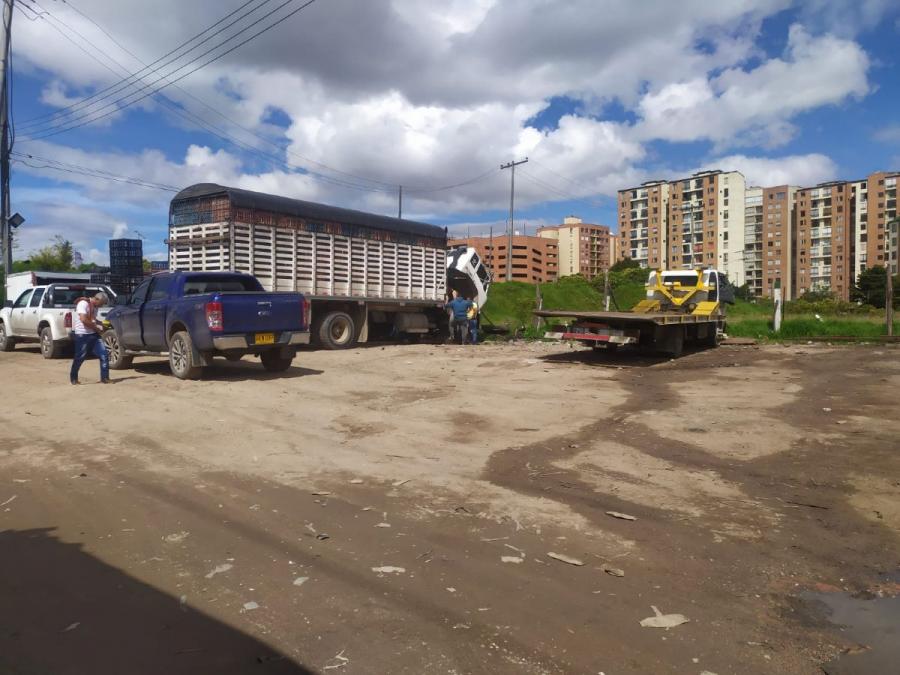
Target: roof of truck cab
<point x="248" y="199"/>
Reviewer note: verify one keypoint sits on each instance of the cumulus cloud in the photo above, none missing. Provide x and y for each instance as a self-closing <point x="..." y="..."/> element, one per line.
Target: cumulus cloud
<point x="800" y="170"/>
<point x="374" y="95"/>
<point x="740" y="106"/>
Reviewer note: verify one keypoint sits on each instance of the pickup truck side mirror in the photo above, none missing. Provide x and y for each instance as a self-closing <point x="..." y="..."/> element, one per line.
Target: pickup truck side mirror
<point x="120" y="300"/>
<point x="7" y="303"/>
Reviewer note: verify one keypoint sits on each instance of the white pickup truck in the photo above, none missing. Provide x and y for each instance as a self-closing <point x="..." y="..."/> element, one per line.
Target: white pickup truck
<point x="44" y="314"/>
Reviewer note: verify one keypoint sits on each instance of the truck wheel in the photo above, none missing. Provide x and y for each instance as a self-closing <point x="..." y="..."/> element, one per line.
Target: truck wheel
<point x="712" y="337"/>
<point x="337" y="331"/>
<point x="118" y="359"/>
<point x="49" y="348"/>
<point x="274" y="362"/>
<point x="181" y="357"/>
<point x="7" y="344"/>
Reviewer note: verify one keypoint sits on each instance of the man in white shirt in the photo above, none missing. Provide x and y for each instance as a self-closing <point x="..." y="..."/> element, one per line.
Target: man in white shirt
<point x="86" y="333"/>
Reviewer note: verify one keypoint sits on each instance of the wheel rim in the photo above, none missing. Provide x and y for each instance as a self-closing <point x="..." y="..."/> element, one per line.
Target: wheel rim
<point x="112" y="346"/>
<point x="46" y="343"/>
<point x="340" y="330"/>
<point x="179" y="355"/>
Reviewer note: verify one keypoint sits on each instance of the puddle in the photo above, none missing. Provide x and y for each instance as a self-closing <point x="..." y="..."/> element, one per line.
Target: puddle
<point x="869" y="621"/>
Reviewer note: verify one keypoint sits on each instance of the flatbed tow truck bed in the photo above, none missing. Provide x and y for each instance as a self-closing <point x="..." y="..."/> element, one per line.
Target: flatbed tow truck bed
<point x="658" y="318"/>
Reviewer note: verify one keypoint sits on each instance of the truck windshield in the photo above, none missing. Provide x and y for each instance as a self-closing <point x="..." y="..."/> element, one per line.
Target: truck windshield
<point x="220" y="284"/>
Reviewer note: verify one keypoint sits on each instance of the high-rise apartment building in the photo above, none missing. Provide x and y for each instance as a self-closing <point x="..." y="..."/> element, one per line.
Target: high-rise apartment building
<point x="643" y="220"/>
<point x="583" y="248"/>
<point x="881" y="189"/>
<point x="706" y="223"/>
<point x="768" y="244"/>
<point x="534" y="259"/>
<point x="823" y="242"/>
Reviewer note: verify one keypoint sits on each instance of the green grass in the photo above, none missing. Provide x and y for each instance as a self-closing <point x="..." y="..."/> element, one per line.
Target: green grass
<point x="511" y="303"/>
<point x="804" y="326"/>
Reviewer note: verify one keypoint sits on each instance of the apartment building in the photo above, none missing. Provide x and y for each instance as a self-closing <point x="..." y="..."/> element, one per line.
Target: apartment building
<point x="534" y="259"/>
<point x="706" y="223"/>
<point x="875" y="206"/>
<point x="823" y="241"/>
<point x="643" y="217"/>
<point x="583" y="248"/>
<point x="768" y="242"/>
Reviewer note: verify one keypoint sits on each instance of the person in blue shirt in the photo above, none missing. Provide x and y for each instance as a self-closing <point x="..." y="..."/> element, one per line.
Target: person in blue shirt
<point x="459" y="320"/>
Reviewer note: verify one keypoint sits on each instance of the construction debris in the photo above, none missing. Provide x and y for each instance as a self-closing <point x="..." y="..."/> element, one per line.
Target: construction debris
<point x="612" y="571"/>
<point x="661" y="620"/>
<point x="621" y="516"/>
<point x="565" y="559"/>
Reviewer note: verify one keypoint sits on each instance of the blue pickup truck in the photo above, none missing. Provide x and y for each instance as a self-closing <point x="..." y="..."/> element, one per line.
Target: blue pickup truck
<point x="194" y="316"/>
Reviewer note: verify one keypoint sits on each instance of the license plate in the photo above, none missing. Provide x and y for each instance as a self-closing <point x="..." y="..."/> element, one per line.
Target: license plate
<point x="264" y="339"/>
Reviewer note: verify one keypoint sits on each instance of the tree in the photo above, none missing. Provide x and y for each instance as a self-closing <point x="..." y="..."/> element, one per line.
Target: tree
<point x="55" y="257"/>
<point x="147" y="266"/>
<point x="870" y="287"/>
<point x="742" y="292"/>
<point x="624" y="264"/>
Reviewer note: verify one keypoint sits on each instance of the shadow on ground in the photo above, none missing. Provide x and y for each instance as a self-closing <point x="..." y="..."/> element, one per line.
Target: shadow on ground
<point x="66" y="612"/>
<point x="222" y="370"/>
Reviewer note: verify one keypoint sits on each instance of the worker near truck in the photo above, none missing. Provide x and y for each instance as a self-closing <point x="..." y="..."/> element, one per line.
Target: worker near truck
<point x="86" y="332"/>
<point x="459" y="320"/>
<point x="472" y="317"/>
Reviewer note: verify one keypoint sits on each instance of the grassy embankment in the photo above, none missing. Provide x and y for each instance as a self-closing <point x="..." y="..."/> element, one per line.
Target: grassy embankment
<point x="510" y="305"/>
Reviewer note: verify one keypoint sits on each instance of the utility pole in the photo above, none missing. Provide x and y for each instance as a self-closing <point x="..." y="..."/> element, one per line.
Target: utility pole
<point x="512" y="197"/>
<point x="400" y="203"/>
<point x="889" y="282"/>
<point x="4" y="136"/>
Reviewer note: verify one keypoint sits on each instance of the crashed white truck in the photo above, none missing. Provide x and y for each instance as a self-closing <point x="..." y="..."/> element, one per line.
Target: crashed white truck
<point x="366" y="276"/>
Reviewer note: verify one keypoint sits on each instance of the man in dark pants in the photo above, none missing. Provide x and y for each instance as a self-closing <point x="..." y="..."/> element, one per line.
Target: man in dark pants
<point x="86" y="332"/>
<point x="459" y="321"/>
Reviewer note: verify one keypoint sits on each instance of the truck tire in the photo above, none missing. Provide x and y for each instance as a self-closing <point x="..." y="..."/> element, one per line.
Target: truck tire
<point x="7" y="344"/>
<point x="118" y="359"/>
<point x="712" y="337"/>
<point x="50" y="349"/>
<point x="274" y="362"/>
<point x="337" y="331"/>
<point x="181" y="357"/>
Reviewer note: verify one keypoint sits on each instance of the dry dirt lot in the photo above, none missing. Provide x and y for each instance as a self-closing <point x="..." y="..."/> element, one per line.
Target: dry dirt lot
<point x="397" y="509"/>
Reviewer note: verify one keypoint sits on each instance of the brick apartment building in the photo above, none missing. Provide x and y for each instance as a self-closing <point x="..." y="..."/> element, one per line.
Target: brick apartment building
<point x="684" y="223"/>
<point x="643" y="221"/>
<point x="768" y="239"/>
<point x="815" y="238"/>
<point x="534" y="259"/>
<point x="583" y="248"/>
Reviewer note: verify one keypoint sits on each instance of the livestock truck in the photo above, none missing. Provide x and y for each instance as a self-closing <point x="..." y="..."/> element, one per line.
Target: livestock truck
<point x="365" y="276"/>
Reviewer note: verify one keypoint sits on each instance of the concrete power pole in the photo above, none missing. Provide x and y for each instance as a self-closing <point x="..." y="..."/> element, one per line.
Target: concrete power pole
<point x="512" y="198"/>
<point x="4" y="140"/>
<point x="400" y="202"/>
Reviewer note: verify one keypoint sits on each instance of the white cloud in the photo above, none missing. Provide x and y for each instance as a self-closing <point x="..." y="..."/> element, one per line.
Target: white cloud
<point x="740" y="107"/>
<point x="888" y="134"/>
<point x="800" y="170"/>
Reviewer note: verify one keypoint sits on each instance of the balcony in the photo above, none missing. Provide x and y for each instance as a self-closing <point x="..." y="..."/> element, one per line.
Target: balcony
<point x="820" y="233"/>
<point x="821" y="252"/>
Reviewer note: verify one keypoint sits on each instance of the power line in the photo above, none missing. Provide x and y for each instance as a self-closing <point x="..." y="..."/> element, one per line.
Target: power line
<point x="561" y="193"/>
<point x="90" y="118"/>
<point x="565" y="178"/>
<point x="222" y="134"/>
<point x="65" y="167"/>
<point x="116" y="85"/>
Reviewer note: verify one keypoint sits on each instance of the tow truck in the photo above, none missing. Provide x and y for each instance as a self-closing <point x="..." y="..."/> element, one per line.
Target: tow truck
<point x="681" y="306"/>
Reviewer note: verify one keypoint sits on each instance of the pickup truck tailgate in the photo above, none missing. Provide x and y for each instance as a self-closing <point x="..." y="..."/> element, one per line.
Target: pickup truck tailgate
<point x="261" y="312"/>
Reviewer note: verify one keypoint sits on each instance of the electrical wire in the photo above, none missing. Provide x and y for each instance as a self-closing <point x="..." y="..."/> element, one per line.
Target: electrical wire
<point x="561" y="193"/>
<point x="116" y="85"/>
<point x="224" y="135"/>
<point x="56" y="165"/>
<point x="559" y="175"/>
<point x="115" y="107"/>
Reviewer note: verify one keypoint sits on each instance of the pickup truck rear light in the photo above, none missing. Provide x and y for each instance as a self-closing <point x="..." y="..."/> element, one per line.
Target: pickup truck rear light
<point x="67" y="321"/>
<point x="214" y="317"/>
<point x="304" y="311"/>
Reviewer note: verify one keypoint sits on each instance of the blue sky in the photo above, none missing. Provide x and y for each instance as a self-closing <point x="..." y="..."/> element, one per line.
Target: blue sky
<point x="599" y="96"/>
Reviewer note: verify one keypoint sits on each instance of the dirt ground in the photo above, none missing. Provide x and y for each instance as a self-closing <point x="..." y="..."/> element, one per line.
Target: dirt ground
<point x="398" y="509"/>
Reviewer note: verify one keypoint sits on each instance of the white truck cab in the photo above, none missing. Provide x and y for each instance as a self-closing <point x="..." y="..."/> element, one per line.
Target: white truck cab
<point x="44" y="314"/>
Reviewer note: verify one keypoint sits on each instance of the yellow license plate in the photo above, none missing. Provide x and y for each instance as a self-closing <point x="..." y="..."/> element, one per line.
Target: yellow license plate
<point x="264" y="339"/>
